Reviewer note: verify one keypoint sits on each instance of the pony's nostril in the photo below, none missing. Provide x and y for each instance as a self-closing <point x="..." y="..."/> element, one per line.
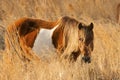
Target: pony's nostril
<point x="86" y="59"/>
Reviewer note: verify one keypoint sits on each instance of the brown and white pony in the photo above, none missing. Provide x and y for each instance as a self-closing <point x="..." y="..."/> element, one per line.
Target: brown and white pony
<point x="67" y="36"/>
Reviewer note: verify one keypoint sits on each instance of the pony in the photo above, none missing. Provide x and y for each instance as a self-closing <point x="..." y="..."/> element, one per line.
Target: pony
<point x="69" y="37"/>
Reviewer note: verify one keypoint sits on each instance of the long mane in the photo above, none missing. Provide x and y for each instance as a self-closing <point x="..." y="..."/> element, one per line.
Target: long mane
<point x="70" y="34"/>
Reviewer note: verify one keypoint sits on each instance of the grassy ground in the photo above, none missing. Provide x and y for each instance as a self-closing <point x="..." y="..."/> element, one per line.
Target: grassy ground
<point x="105" y="63"/>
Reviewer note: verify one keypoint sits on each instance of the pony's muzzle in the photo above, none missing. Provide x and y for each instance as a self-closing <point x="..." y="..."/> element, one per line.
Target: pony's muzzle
<point x="86" y="59"/>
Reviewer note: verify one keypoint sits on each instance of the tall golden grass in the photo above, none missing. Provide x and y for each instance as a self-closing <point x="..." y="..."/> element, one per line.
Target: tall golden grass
<point x="105" y="63"/>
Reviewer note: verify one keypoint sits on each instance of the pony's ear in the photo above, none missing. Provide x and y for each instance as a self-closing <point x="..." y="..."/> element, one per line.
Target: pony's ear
<point x="91" y="26"/>
<point x="80" y="26"/>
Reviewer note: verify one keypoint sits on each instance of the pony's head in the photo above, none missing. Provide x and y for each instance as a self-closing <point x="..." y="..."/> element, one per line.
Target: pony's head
<point x="77" y="39"/>
<point x="86" y="37"/>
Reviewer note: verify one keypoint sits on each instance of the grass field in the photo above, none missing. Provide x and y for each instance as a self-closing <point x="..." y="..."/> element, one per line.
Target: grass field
<point x="105" y="63"/>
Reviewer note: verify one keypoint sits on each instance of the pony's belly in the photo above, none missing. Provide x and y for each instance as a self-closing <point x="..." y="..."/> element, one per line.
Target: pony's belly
<point x="43" y="42"/>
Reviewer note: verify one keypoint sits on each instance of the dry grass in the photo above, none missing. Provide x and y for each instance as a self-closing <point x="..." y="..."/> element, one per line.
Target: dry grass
<point x="105" y="57"/>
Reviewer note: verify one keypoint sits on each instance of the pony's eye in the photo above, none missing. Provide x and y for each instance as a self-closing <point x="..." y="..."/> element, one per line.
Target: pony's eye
<point x="81" y="39"/>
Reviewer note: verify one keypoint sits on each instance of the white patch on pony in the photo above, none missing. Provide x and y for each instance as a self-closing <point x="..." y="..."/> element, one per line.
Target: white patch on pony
<point x="43" y="42"/>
